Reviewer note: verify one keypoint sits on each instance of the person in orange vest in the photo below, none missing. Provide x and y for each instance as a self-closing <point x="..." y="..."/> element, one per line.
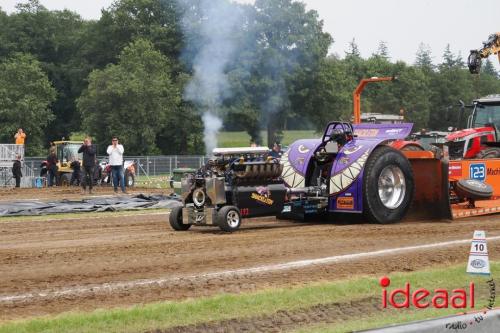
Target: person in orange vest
<point x="20" y="136"/>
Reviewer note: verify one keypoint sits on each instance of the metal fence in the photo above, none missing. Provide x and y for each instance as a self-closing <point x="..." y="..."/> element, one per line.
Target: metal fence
<point x="146" y="165"/>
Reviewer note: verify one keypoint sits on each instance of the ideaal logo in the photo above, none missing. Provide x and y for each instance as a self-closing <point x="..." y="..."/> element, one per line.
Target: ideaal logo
<point x="419" y="298"/>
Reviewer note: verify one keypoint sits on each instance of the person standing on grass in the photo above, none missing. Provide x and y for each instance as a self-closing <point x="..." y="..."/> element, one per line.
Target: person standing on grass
<point x="89" y="151"/>
<point x="115" y="152"/>
<point x="16" y="170"/>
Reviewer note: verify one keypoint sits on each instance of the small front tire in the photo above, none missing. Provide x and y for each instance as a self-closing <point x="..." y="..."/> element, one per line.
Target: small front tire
<point x="229" y="218"/>
<point x="175" y="220"/>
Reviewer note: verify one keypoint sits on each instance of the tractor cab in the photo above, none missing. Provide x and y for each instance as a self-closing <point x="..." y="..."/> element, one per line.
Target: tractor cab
<point x="66" y="152"/>
<point x="481" y="137"/>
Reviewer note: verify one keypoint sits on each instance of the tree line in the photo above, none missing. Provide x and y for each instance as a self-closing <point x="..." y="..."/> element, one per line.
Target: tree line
<point x="126" y="74"/>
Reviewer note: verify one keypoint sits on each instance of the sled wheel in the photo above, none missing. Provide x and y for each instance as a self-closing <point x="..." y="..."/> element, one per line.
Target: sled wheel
<point x="473" y="189"/>
<point x="228" y="218"/>
<point x="388" y="186"/>
<point x="175" y="220"/>
<point x="492" y="152"/>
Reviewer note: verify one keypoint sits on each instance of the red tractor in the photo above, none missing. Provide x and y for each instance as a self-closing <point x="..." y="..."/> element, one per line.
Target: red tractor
<point x="481" y="137"/>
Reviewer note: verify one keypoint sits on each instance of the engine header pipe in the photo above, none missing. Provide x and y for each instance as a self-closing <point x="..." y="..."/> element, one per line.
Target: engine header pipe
<point x="359" y="89"/>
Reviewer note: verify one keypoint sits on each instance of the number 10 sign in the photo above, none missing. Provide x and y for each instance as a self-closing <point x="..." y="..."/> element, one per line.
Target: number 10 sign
<point x="478" y="256"/>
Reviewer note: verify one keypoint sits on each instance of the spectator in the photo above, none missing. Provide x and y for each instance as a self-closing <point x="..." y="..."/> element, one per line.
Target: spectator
<point x="44" y="169"/>
<point x="115" y="152"/>
<point x="76" y="175"/>
<point x="20" y="136"/>
<point x="16" y="170"/>
<point x="52" y="168"/>
<point x="89" y="151"/>
<point x="276" y="151"/>
<point x="253" y="144"/>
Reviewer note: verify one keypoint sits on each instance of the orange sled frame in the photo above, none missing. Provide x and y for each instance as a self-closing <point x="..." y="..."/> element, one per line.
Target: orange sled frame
<point x="433" y="176"/>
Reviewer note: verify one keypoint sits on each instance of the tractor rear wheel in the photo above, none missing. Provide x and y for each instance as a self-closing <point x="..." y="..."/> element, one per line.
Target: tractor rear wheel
<point x="228" y="218"/>
<point x="492" y="152"/>
<point x="388" y="186"/>
<point x="175" y="220"/>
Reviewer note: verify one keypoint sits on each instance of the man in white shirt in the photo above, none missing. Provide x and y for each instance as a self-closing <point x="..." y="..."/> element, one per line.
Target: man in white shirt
<point x="115" y="152"/>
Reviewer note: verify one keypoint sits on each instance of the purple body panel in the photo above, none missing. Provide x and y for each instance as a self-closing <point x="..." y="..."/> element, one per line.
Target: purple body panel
<point x="346" y="175"/>
<point x="300" y="153"/>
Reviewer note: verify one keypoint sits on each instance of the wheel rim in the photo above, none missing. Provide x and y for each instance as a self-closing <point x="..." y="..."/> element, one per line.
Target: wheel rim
<point x="391" y="186"/>
<point x="233" y="219"/>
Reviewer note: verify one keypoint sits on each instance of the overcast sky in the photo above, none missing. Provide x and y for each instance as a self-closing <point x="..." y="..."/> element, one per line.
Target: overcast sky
<point x="402" y="24"/>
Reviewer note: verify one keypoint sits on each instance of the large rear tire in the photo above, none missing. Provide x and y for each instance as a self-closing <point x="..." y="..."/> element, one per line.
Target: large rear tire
<point x="175" y="220"/>
<point x="228" y="218"/>
<point x="388" y="186"/>
<point x="492" y="152"/>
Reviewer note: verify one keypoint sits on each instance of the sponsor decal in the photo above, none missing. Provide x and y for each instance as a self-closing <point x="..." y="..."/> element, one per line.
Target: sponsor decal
<point x="344" y="160"/>
<point x="366" y="132"/>
<point x="263" y="195"/>
<point x="303" y="149"/>
<point x="478" y="263"/>
<point x="455" y="170"/>
<point x="352" y="150"/>
<point x="477" y="171"/>
<point x="422" y="298"/>
<point x="345" y="203"/>
<point x="393" y="131"/>
<point x="493" y="172"/>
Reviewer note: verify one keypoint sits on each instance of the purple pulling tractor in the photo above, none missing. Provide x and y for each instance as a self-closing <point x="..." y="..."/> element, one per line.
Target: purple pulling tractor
<point x="351" y="169"/>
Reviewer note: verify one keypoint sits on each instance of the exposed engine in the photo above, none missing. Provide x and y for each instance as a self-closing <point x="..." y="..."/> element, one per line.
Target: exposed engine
<point x="247" y="178"/>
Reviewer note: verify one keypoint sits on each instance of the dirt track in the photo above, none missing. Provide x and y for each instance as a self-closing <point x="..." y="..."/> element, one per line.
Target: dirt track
<point x="50" y="256"/>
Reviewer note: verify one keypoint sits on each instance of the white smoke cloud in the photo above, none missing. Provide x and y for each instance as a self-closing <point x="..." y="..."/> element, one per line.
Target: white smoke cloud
<point x="211" y="33"/>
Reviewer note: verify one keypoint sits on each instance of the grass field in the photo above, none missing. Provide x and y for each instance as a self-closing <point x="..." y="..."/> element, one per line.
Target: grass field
<point x="227" y="306"/>
<point x="242" y="139"/>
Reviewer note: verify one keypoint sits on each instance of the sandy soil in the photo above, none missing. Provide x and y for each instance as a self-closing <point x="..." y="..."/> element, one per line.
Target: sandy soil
<point x="69" y="253"/>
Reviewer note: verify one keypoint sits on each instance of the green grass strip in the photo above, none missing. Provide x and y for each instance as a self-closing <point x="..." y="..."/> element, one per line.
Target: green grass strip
<point x="226" y="306"/>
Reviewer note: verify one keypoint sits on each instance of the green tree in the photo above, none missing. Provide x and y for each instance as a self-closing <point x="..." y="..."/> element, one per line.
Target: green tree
<point x="424" y="58"/>
<point x="25" y="98"/>
<point x="329" y="96"/>
<point x="134" y="99"/>
<point x="127" y="20"/>
<point x="55" y="38"/>
<point x="285" y="42"/>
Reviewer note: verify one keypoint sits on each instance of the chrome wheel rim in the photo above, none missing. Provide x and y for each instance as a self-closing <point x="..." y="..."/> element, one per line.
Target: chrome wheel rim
<point x="391" y="186"/>
<point x="199" y="197"/>
<point x="233" y="219"/>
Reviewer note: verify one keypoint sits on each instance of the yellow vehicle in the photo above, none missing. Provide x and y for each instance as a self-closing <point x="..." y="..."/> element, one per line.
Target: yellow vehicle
<point x="66" y="152"/>
<point x="491" y="46"/>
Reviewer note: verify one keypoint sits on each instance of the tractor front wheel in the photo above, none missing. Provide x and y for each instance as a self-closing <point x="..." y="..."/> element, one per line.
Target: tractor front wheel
<point x="388" y="186"/>
<point x="175" y="220"/>
<point x="228" y="218"/>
